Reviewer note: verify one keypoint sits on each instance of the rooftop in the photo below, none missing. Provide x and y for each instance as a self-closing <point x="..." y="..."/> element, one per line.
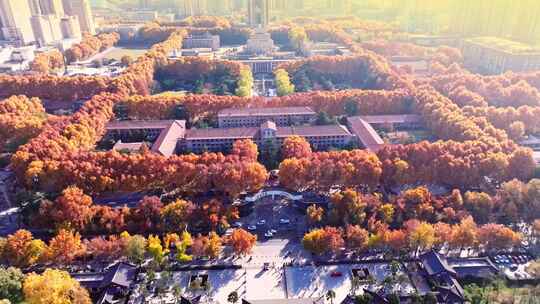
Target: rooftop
<point x="365" y="133"/>
<point x="168" y="138"/>
<point x="266" y="111"/>
<point x="138" y="124"/>
<point x="536" y="156"/>
<point x="136" y="146"/>
<point x="286" y="301"/>
<point x="228" y="133"/>
<point x="215" y="133"/>
<point x="312" y="131"/>
<point x="435" y="264"/>
<point x="504" y="45"/>
<point x="379" y="119"/>
<point x="121" y="274"/>
<point x="165" y="144"/>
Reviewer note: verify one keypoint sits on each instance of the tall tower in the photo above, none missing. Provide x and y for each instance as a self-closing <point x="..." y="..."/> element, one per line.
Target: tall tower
<point x="200" y="7"/>
<point x="144" y="4"/>
<point x="239" y="5"/>
<point x="81" y="9"/>
<point x="15" y="21"/>
<point x="52" y="7"/>
<point x="35" y="7"/>
<point x="258" y="13"/>
<point x="219" y="7"/>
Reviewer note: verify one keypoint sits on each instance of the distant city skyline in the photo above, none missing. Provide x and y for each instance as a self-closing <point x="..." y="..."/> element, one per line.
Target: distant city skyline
<point x="44" y="21"/>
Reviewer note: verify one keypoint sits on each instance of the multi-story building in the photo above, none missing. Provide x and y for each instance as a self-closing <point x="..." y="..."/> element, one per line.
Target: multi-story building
<point x="52" y="7"/>
<point x="70" y="27"/>
<point x="164" y="134"/>
<point x="35" y="7"/>
<point x="493" y="55"/>
<point x="258" y="13"/>
<point x="254" y="117"/>
<point x="47" y="28"/>
<point x="81" y="9"/>
<point x="220" y="7"/>
<point x="203" y="41"/>
<point x="15" y="24"/>
<point x="391" y="122"/>
<point x="188" y="8"/>
<point x="44" y="21"/>
<point x="222" y="139"/>
<point x="142" y="15"/>
<point x="367" y="137"/>
<point x="260" y="43"/>
<point x="266" y="65"/>
<point x="144" y="4"/>
<point x="238" y="5"/>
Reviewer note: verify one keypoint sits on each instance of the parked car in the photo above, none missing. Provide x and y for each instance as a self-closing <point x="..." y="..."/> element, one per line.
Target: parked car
<point x="237" y="225"/>
<point x="268" y="234"/>
<point x="252" y="227"/>
<point x="261" y="223"/>
<point x="284" y="221"/>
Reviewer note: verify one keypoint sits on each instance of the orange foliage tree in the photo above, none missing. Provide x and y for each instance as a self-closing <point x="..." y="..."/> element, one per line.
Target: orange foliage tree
<point x="295" y="146"/>
<point x="241" y="241"/>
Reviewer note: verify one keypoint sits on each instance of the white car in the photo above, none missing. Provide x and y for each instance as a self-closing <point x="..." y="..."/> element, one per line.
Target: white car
<point x="252" y="227"/>
<point x="268" y="234"/>
<point x="284" y="221"/>
<point x="261" y="222"/>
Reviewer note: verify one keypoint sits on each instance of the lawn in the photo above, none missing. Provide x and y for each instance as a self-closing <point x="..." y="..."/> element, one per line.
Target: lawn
<point x="118" y="52"/>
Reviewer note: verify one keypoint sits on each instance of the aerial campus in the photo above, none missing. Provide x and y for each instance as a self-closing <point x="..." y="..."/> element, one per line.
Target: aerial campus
<point x="269" y="152"/>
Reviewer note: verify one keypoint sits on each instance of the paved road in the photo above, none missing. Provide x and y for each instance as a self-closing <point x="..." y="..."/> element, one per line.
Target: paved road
<point x="5" y="203"/>
<point x="275" y="252"/>
<point x="8" y="214"/>
<point x="272" y="211"/>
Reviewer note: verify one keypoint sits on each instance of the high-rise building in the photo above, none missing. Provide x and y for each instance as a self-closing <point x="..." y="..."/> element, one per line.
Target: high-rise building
<point x="70" y="27"/>
<point x="220" y="7"/>
<point x="188" y="8"/>
<point x="81" y="9"/>
<point x="339" y="6"/>
<point x="35" y="7"/>
<point x="52" y="7"/>
<point x="258" y="13"/>
<point x="15" y="21"/>
<point x="239" y="5"/>
<point x="46" y="28"/>
<point x="144" y="4"/>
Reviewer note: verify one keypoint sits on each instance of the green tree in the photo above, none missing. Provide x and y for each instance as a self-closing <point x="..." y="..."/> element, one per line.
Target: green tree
<point x="430" y="298"/>
<point x="135" y="249"/>
<point x="475" y="294"/>
<point x="351" y="107"/>
<point x="324" y="119"/>
<point x="393" y="299"/>
<point x="330" y="296"/>
<point x="233" y="297"/>
<point x="283" y="83"/>
<point x="355" y="285"/>
<point x="269" y="154"/>
<point x="366" y="298"/>
<point x="11" y="282"/>
<point x="244" y="84"/>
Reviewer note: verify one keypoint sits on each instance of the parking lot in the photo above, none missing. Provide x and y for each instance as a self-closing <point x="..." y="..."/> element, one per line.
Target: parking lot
<point x="274" y="218"/>
<point x="513" y="265"/>
<point x="510" y="260"/>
